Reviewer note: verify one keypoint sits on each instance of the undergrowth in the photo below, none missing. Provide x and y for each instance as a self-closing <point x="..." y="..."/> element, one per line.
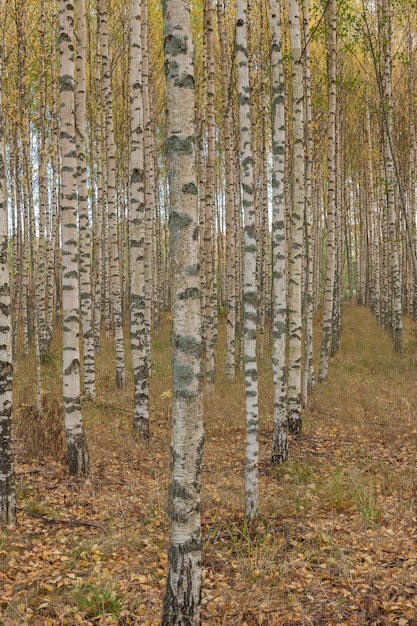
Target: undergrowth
<point x="41" y="434"/>
<point x="336" y="523"/>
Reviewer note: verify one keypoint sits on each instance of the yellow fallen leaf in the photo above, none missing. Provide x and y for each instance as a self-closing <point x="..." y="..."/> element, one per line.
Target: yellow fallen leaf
<point x="42" y="605"/>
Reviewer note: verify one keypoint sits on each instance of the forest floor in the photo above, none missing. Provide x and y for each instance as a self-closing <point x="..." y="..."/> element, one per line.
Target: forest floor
<point x="336" y="538"/>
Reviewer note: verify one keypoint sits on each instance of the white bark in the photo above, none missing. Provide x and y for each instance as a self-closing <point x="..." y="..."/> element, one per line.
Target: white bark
<point x="249" y="272"/>
<point x="115" y="283"/>
<point x="230" y="202"/>
<point x="41" y="256"/>
<point x="7" y="478"/>
<point x="395" y="270"/>
<point x="137" y="230"/>
<point x="150" y="182"/>
<point x="209" y="230"/>
<point x="296" y="226"/>
<point x="182" y="602"/>
<point x="279" y="244"/>
<point x="76" y="442"/>
<point x="331" y="194"/>
<point x="309" y="378"/>
<point x="85" y="239"/>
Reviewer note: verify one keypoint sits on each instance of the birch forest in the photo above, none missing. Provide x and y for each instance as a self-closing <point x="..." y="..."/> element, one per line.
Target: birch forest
<point x="208" y="312"/>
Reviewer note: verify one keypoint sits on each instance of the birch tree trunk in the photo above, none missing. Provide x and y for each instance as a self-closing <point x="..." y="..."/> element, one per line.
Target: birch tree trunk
<point x="249" y="269"/>
<point x="7" y="477"/>
<point x="279" y="246"/>
<point x="296" y="226"/>
<point x="413" y="162"/>
<point x="41" y="268"/>
<point x="182" y="602"/>
<point x="308" y="378"/>
<point x="150" y="181"/>
<point x="209" y="230"/>
<point x="339" y="261"/>
<point x="372" y="212"/>
<point x="395" y="270"/>
<point x="230" y="201"/>
<point x="111" y="198"/>
<point x="95" y="119"/>
<point x="76" y="441"/>
<point x="55" y="191"/>
<point x="137" y="230"/>
<point x="331" y="192"/>
<point x="85" y="238"/>
<point x="21" y="169"/>
<point x="33" y="299"/>
<point x="17" y="248"/>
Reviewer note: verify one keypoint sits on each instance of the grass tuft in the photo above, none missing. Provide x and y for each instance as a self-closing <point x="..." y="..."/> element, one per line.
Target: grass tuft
<point x="365" y="499"/>
<point x="98" y="599"/>
<point x="41" y="435"/>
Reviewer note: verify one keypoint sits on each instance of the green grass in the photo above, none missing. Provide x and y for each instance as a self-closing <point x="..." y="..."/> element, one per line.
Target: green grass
<point x="98" y="599"/>
<point x="255" y="548"/>
<point x="365" y="498"/>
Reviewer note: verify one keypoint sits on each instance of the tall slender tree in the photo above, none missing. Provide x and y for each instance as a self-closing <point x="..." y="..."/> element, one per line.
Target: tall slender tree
<point x="279" y="245"/>
<point x="86" y="306"/>
<point x="296" y="225"/>
<point x="137" y="230"/>
<point x="43" y="194"/>
<point x="7" y="480"/>
<point x="208" y="230"/>
<point x="308" y="378"/>
<point x="182" y="602"/>
<point x="249" y="272"/>
<point x="229" y="200"/>
<point x="150" y="182"/>
<point x="115" y="282"/>
<point x="331" y="191"/>
<point x="392" y="217"/>
<point x="76" y="442"/>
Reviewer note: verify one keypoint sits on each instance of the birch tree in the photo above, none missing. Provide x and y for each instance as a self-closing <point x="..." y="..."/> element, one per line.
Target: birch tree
<point x="230" y="200"/>
<point x="85" y="240"/>
<point x="182" y="602"/>
<point x="279" y="248"/>
<point x="331" y="192"/>
<point x="296" y="225"/>
<point x="43" y="194"/>
<point x="208" y="231"/>
<point x="7" y="478"/>
<point x="137" y="230"/>
<point x="76" y="442"/>
<point x="387" y="104"/>
<point x="150" y="186"/>
<point x="308" y="379"/>
<point x="111" y="197"/>
<point x="249" y="271"/>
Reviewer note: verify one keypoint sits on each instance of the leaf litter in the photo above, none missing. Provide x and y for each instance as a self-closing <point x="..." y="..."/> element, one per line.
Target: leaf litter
<point x="335" y="541"/>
